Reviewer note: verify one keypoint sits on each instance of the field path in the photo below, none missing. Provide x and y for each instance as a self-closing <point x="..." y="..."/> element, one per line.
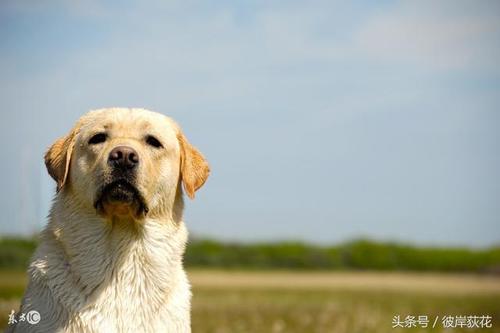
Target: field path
<point x="390" y="281"/>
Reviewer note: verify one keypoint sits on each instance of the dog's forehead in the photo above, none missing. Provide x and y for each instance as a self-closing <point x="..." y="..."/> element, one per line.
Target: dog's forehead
<point x="129" y="121"/>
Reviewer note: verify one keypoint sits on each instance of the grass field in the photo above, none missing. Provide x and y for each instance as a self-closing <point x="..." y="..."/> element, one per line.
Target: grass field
<point x="342" y="302"/>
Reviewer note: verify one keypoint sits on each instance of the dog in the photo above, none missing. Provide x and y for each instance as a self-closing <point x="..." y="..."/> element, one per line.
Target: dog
<point x="110" y="257"/>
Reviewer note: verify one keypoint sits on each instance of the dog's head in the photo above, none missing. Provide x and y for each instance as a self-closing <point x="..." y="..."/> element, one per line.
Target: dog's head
<point x="126" y="163"/>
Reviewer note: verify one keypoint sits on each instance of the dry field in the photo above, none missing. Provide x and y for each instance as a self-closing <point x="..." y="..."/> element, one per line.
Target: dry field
<point x="342" y="302"/>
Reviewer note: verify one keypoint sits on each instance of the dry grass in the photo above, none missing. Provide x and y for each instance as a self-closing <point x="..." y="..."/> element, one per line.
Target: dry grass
<point x="341" y="302"/>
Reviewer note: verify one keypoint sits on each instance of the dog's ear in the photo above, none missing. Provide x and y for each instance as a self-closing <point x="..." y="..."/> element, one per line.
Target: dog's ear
<point x="194" y="168"/>
<point x="58" y="158"/>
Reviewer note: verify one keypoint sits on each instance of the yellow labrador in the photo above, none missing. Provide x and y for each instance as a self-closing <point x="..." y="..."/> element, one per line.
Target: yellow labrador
<point x="110" y="258"/>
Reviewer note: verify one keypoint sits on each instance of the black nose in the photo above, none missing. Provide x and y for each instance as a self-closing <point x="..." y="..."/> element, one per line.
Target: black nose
<point x="123" y="157"/>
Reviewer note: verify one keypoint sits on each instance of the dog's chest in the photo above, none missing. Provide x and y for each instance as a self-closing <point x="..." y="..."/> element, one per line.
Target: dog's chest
<point x="144" y="289"/>
<point x="131" y="300"/>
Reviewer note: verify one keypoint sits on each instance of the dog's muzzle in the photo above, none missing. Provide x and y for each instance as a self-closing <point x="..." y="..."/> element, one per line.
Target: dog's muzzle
<point x="120" y="192"/>
<point x="120" y="196"/>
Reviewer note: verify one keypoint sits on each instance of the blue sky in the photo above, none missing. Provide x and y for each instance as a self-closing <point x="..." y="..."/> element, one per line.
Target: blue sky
<point x="323" y="121"/>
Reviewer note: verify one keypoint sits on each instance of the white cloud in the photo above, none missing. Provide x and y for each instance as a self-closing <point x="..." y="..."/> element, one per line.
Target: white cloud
<point x="443" y="35"/>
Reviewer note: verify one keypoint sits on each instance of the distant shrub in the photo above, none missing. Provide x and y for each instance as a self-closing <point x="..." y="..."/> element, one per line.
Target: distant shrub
<point x="360" y="254"/>
<point x="15" y="253"/>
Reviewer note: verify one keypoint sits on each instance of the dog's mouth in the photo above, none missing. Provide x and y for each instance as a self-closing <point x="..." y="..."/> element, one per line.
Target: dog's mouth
<point x="120" y="198"/>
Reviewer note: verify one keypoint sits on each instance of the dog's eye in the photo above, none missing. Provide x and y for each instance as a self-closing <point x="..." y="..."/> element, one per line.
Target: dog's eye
<point x="152" y="141"/>
<point x="98" y="138"/>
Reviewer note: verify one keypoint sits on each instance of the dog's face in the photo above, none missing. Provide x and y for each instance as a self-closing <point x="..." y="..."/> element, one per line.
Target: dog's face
<point x="126" y="163"/>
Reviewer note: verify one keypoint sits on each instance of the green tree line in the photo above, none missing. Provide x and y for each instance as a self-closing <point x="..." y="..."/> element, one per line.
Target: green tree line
<point x="358" y="254"/>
